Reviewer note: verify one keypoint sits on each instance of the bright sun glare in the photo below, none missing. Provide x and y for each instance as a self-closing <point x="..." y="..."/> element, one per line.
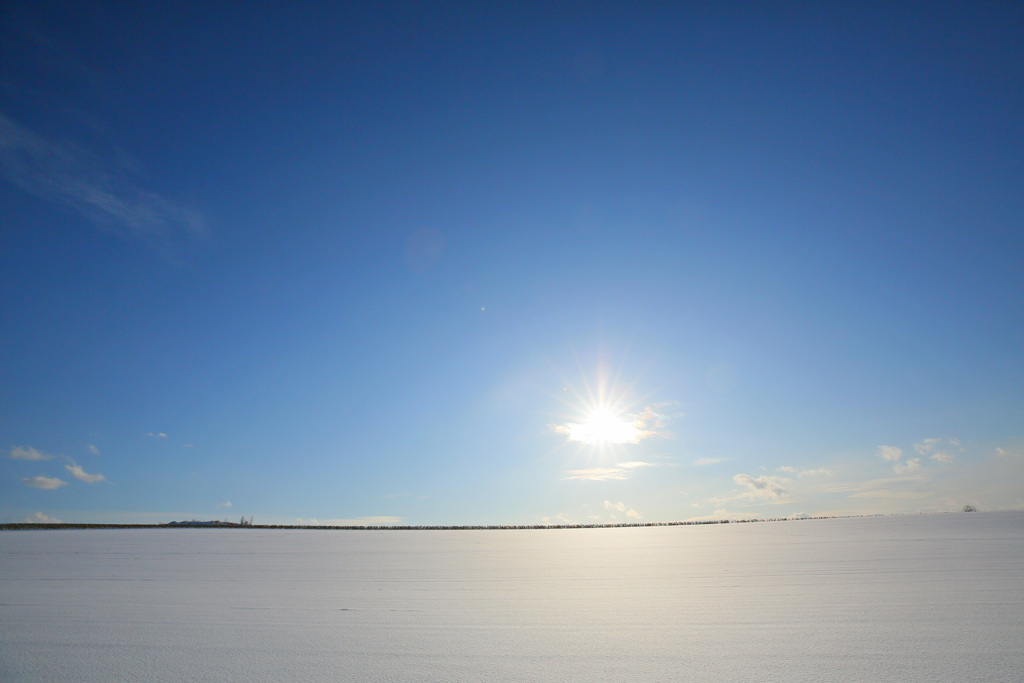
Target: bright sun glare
<point x="604" y="426"/>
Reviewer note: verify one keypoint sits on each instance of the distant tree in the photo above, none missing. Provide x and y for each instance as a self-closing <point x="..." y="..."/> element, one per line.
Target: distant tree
<point x="970" y="508"/>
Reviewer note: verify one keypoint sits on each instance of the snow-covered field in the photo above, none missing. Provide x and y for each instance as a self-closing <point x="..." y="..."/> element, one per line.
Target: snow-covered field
<point x="908" y="598"/>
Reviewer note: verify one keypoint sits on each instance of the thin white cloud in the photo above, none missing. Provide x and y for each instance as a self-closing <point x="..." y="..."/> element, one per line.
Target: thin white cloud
<point x="78" y="473"/>
<point x="618" y="472"/>
<point x="700" y="462"/>
<point x="106" y="190"/>
<point x="623" y="508"/>
<point x="46" y="483"/>
<point x="907" y="466"/>
<point x="225" y="504"/>
<point x="761" y="487"/>
<point x="890" y="453"/>
<point x="357" y="521"/>
<point x="156" y="435"/>
<point x="926" y="446"/>
<point x="28" y="453"/>
<point x="40" y="518"/>
<point x="92" y="449"/>
<point x="939" y="451"/>
<point x="820" y="472"/>
<point x="786" y="468"/>
<point x="599" y="474"/>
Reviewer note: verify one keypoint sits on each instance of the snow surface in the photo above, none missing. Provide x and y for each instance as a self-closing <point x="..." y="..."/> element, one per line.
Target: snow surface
<point x="907" y="598"/>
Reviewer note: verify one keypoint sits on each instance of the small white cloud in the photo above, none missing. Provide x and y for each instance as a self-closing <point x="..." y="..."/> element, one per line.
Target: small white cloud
<point x="92" y="449"/>
<point x="621" y="507"/>
<point x="46" y="483"/>
<point x="635" y="463"/>
<point x="700" y="462"/>
<point x="761" y="487"/>
<point x="943" y="456"/>
<point x="785" y="468"/>
<point x="78" y="473"/>
<point x="156" y="435"/>
<point x="926" y="446"/>
<point x="820" y="472"/>
<point x="890" y="453"/>
<point x="28" y="453"/>
<point x="40" y="518"/>
<point x="225" y="504"/>
<point x="911" y="465"/>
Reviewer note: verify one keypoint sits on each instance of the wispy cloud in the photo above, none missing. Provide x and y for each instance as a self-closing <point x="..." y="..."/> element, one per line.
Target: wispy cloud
<point x="890" y="453"/>
<point x="225" y="504"/>
<point x="92" y="449"/>
<point x="46" y="483"/>
<point x="938" y="450"/>
<point x="81" y="475"/>
<point x="40" y="518"/>
<point x="623" y="508"/>
<point x="620" y="471"/>
<point x="106" y="190"/>
<point x="909" y="465"/>
<point x="891" y="487"/>
<point x="599" y="474"/>
<point x="28" y="453"/>
<point x="761" y="487"/>
<point x="700" y="462"/>
<point x="156" y="435"/>
<point x="820" y="472"/>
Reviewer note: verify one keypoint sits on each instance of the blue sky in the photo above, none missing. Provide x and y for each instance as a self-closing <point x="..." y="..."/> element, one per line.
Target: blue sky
<point x="503" y="263"/>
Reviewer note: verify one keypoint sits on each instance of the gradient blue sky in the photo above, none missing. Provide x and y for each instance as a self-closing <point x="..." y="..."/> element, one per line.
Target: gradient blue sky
<point x="373" y="261"/>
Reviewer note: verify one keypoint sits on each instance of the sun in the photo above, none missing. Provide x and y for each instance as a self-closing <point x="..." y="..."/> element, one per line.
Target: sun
<point x="603" y="426"/>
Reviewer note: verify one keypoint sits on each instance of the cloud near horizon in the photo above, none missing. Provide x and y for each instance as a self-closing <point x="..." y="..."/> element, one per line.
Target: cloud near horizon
<point x="383" y="520"/>
<point x="41" y="518"/>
